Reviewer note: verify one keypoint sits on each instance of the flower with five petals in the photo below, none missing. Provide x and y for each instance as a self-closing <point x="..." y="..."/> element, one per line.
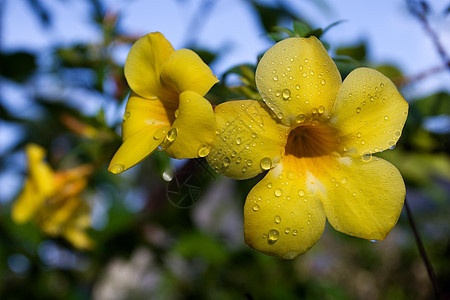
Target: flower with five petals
<point x="166" y="108"/>
<point x="52" y="199"/>
<point x="315" y="136"/>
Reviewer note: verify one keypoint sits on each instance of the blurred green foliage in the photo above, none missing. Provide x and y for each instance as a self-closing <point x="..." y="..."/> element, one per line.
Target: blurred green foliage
<point x="148" y="248"/>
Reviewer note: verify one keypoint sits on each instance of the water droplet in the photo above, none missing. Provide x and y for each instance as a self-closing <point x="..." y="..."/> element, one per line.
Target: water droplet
<point x="386" y="117"/>
<point x="294" y="232"/>
<point x="278" y="94"/>
<point x="358" y="134"/>
<point x="203" y="150"/>
<point x="381" y="85"/>
<point x="277" y="219"/>
<point x="287" y="230"/>
<point x="300" y="118"/>
<point x="297" y="86"/>
<point x="306" y="60"/>
<point x="249" y="162"/>
<point x="309" y="216"/>
<point x="304" y="74"/>
<point x="367" y="157"/>
<point x="255" y="207"/>
<point x="358" y="110"/>
<point x="254" y="135"/>
<point x="321" y="110"/>
<point x="172" y="135"/>
<point x="301" y="193"/>
<point x="286" y="94"/>
<point x="238" y="141"/>
<point x="273" y="236"/>
<point x="280" y="115"/>
<point x="244" y="169"/>
<point x="322" y="82"/>
<point x="233" y="153"/>
<point x="265" y="163"/>
<point x="275" y="78"/>
<point x="126" y="116"/>
<point x="344" y="180"/>
<point x="278" y="192"/>
<point x="226" y="162"/>
<point x="176" y="113"/>
<point x="269" y="185"/>
<point x="238" y="160"/>
<point x="311" y="72"/>
<point x="116" y="169"/>
<point x="315" y="111"/>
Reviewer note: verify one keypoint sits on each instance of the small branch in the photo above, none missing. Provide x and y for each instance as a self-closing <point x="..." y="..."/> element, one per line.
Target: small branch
<point x="422" y="251"/>
<point x="407" y="80"/>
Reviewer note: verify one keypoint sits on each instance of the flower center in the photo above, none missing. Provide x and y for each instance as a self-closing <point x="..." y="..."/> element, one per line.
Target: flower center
<point x="311" y="140"/>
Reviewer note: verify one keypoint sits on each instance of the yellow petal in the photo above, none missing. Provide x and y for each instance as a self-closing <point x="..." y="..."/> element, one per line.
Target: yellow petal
<point x="78" y="238"/>
<point x="27" y="203"/>
<point x="136" y="148"/>
<point x="369" y="112"/>
<point x="40" y="172"/>
<point x="249" y="141"/>
<point x="298" y="77"/>
<point x="281" y="217"/>
<point x="185" y="71"/>
<point x="144" y="62"/>
<point x="142" y="113"/>
<point x="194" y="128"/>
<point x="362" y="199"/>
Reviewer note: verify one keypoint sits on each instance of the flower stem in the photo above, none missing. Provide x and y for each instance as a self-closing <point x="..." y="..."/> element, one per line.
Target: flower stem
<point x="422" y="251"/>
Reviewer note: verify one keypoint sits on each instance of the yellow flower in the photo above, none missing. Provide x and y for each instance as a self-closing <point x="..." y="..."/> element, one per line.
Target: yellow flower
<point x="315" y="135"/>
<point x="166" y="108"/>
<point x="51" y="199"/>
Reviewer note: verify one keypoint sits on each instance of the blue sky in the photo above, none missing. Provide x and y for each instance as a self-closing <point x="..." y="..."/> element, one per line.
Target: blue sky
<point x="392" y="33"/>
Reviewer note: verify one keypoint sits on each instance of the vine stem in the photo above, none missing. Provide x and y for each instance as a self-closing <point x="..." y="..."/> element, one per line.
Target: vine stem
<point x="422" y="251"/>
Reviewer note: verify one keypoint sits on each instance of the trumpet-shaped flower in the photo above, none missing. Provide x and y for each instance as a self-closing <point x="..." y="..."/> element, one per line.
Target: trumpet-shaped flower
<point x="51" y="199"/>
<point x="166" y="108"/>
<point x="315" y="136"/>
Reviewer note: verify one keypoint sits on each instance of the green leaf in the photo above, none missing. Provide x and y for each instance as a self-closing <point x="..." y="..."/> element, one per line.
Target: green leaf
<point x="357" y="52"/>
<point x="302" y="29"/>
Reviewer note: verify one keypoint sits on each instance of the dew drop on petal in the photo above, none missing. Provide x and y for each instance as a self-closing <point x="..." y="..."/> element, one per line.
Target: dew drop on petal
<point x="269" y="185"/>
<point x="301" y="193"/>
<point x="244" y="169"/>
<point x="277" y="219"/>
<point x="323" y="81"/>
<point x="294" y="232"/>
<point x="358" y="135"/>
<point x="297" y="86"/>
<point x="278" y="192"/>
<point x="344" y="180"/>
<point x="321" y="110"/>
<point x="255" y="207"/>
<point x="226" y="162"/>
<point x="238" y="141"/>
<point x="273" y="236"/>
<point x="126" y="116"/>
<point x="367" y="157"/>
<point x="172" y="135"/>
<point x="118" y="168"/>
<point x="315" y="111"/>
<point x="286" y="94"/>
<point x="358" y="110"/>
<point x="275" y="78"/>
<point x="203" y="150"/>
<point x="176" y="113"/>
<point x="287" y="230"/>
<point x="300" y="118"/>
<point x="265" y="163"/>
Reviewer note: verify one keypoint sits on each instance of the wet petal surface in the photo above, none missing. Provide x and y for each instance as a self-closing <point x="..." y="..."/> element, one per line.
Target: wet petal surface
<point x="281" y="217"/>
<point x="249" y="139"/>
<point x="369" y="112"/>
<point x="298" y="77"/>
<point x="193" y="130"/>
<point x="142" y="113"/>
